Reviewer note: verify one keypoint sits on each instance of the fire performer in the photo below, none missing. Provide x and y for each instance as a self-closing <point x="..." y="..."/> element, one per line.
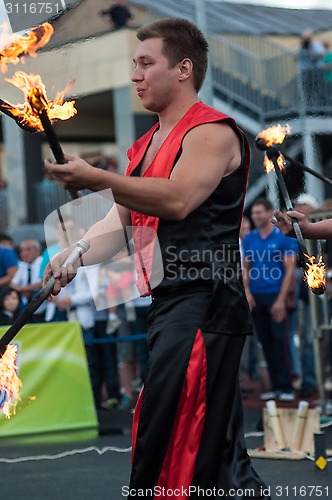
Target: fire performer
<point x="311" y="230"/>
<point x="187" y="180"/>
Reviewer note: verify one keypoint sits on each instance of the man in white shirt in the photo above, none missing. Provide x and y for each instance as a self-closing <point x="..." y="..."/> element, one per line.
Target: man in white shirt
<point x="26" y="280"/>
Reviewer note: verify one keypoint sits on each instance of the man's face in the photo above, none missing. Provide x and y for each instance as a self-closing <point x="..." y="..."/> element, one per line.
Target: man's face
<point x="155" y="81"/>
<point x="28" y="252"/>
<point x="260" y="216"/>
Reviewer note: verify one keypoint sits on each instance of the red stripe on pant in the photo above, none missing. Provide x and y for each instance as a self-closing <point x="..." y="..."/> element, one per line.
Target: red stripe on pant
<point x="134" y="428"/>
<point x="179" y="463"/>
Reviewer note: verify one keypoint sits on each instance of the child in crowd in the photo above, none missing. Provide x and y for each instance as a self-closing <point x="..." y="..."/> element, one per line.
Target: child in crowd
<point x="9" y="305"/>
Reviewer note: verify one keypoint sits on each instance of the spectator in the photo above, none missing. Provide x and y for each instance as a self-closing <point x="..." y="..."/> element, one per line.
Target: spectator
<point x="245" y="229"/>
<point x="8" y="266"/>
<point x="119" y="14"/>
<point x="67" y="232"/>
<point x="9" y="305"/>
<point x="27" y="278"/>
<point x="310" y="55"/>
<point x="306" y="204"/>
<point x="76" y="299"/>
<point x="105" y="353"/>
<point x="269" y="266"/>
<point x="327" y="66"/>
<point x="249" y="357"/>
<point x="6" y="241"/>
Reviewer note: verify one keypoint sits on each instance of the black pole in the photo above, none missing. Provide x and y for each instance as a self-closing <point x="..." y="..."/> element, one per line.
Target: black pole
<point x="55" y="146"/>
<point x="273" y="154"/>
<point x="261" y="144"/>
<point x="311" y="171"/>
<point x="81" y="247"/>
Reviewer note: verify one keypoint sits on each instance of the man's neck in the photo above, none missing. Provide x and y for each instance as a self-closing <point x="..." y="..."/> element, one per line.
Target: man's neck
<point x="266" y="229"/>
<point x="171" y="115"/>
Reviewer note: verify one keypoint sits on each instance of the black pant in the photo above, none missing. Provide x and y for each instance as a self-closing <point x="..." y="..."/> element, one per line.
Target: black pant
<point x="218" y="458"/>
<point x="274" y="339"/>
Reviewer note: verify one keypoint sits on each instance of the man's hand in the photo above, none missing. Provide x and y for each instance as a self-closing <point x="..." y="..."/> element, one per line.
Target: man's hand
<point x="62" y="274"/>
<point x="76" y="174"/>
<point x="283" y="222"/>
<point x="278" y="311"/>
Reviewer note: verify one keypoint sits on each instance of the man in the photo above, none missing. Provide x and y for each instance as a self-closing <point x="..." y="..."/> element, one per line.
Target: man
<point x="27" y="280"/>
<point x="306" y="204"/>
<point x="310" y="54"/>
<point x="186" y="180"/>
<point x="8" y="265"/>
<point x="269" y="265"/>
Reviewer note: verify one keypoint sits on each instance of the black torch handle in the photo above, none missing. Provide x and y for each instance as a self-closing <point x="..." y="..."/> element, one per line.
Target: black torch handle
<point x="311" y="171"/>
<point x="55" y="146"/>
<point x="297" y="230"/>
<point x="81" y="247"/>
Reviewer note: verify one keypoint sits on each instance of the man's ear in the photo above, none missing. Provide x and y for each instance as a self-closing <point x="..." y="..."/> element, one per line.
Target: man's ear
<point x="186" y="68"/>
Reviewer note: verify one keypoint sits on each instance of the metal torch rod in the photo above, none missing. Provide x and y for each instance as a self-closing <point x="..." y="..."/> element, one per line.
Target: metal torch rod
<point x="55" y="146"/>
<point x="81" y="247"/>
<point x="273" y="155"/>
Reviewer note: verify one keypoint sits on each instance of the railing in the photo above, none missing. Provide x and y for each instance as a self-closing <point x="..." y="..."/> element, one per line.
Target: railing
<point x="252" y="73"/>
<point x="50" y="197"/>
<point x="263" y="85"/>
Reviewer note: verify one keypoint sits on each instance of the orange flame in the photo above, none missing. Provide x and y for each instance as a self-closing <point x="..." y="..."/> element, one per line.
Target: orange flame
<point x="275" y="134"/>
<point x="34" y="91"/>
<point x="268" y="164"/>
<point x="16" y="47"/>
<point x="10" y="384"/>
<point x="315" y="274"/>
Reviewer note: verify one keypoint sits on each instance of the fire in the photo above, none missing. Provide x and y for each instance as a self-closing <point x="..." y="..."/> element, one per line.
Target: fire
<point x="275" y="134"/>
<point x="10" y="384"/>
<point x="268" y="164"/>
<point x="315" y="274"/>
<point x="34" y="92"/>
<point x="16" y="47"/>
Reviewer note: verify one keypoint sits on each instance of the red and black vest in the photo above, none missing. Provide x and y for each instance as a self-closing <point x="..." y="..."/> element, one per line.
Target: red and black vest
<point x="191" y="250"/>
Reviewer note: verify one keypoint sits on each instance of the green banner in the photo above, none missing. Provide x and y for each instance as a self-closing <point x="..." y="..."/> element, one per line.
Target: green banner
<point x="56" y="393"/>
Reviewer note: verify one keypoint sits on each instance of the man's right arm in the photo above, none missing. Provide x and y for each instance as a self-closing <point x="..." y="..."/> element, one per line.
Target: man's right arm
<point x="106" y="238"/>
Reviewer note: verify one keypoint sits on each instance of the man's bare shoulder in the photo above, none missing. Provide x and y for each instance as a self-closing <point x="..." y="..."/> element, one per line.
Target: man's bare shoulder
<point x="217" y="135"/>
<point x="214" y="142"/>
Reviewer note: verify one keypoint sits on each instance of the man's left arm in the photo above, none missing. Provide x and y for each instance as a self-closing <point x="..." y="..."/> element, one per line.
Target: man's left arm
<point x="278" y="309"/>
<point x="208" y="152"/>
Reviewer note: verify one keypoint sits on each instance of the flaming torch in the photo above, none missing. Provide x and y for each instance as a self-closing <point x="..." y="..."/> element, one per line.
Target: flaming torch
<point x="10" y="384"/>
<point x="13" y="47"/>
<point x="37" y="113"/>
<point x="315" y="273"/>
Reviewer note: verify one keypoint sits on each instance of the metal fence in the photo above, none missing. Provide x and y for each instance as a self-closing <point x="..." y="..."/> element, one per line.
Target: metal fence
<point x="252" y="73"/>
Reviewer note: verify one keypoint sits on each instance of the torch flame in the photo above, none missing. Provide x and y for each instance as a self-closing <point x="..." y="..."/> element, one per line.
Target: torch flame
<point x="315" y="274"/>
<point x="14" y="47"/>
<point x="274" y="135"/>
<point x="34" y="91"/>
<point x="268" y="164"/>
<point x="10" y="384"/>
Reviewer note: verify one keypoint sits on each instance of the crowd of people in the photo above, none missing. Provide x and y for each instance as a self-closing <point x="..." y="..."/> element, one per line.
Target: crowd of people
<point x="276" y="292"/>
<point x="279" y="300"/>
<point x="117" y="369"/>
